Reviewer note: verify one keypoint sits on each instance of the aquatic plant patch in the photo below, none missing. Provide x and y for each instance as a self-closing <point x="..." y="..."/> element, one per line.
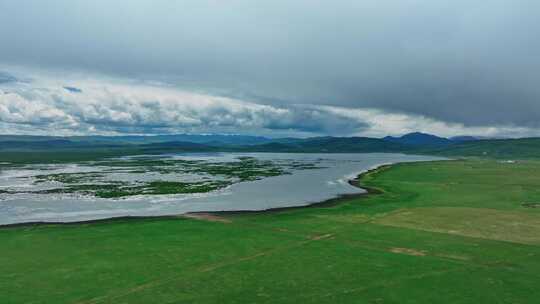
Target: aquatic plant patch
<point x="150" y="175"/>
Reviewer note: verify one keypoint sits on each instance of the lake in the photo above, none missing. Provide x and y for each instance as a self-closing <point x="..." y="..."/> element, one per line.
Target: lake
<point x="142" y="186"/>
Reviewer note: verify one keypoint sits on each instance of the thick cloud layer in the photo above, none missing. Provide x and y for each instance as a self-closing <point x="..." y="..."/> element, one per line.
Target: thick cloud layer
<point x="117" y="106"/>
<point x="473" y="64"/>
<point x="112" y="106"/>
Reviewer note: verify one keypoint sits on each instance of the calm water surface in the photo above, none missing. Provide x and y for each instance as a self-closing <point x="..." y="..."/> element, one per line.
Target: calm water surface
<point x="302" y="187"/>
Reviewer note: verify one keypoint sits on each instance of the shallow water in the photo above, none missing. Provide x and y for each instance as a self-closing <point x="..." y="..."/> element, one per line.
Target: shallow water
<point x="302" y="187"/>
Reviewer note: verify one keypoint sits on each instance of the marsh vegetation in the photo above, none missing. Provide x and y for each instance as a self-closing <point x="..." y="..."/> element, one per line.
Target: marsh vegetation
<point x="150" y="175"/>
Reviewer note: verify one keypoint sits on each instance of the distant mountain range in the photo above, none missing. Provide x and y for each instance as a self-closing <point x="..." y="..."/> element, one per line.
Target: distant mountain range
<point x="194" y="138"/>
<point x="420" y="139"/>
<point x="187" y="142"/>
<point x="142" y="139"/>
<point x="417" y="142"/>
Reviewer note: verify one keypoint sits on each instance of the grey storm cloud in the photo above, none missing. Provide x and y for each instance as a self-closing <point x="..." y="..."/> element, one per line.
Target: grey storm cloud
<point x="73" y="89"/>
<point x="7" y="78"/>
<point x="141" y="108"/>
<point x="471" y="63"/>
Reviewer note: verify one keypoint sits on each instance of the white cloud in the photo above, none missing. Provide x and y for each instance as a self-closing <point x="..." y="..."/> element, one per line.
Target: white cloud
<point x="382" y="123"/>
<point x="130" y="107"/>
<point x="94" y="105"/>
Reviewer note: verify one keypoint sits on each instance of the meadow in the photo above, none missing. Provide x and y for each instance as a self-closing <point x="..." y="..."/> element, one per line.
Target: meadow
<point x="464" y="231"/>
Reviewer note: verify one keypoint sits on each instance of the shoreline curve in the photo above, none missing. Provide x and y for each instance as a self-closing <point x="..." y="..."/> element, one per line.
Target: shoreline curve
<point x="356" y="182"/>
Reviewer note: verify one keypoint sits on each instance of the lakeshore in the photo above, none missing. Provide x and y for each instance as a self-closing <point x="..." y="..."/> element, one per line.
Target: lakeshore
<point x="451" y="228"/>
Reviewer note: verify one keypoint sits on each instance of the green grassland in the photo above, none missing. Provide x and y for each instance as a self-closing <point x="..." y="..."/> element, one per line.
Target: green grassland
<point x="464" y="231"/>
<point x="517" y="148"/>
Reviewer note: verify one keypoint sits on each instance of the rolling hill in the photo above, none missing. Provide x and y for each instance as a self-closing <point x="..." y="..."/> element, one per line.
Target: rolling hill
<point x="420" y="140"/>
<point x="419" y="143"/>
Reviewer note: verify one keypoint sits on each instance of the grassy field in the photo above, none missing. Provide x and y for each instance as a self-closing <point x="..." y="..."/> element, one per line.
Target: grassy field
<point x="441" y="232"/>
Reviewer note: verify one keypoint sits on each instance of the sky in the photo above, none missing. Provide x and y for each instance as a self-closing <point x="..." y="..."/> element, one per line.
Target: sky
<point x="273" y="68"/>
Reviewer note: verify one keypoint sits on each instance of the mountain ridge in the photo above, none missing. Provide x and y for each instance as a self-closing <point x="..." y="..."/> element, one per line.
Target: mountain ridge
<point x="412" y="143"/>
<point x="419" y="139"/>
